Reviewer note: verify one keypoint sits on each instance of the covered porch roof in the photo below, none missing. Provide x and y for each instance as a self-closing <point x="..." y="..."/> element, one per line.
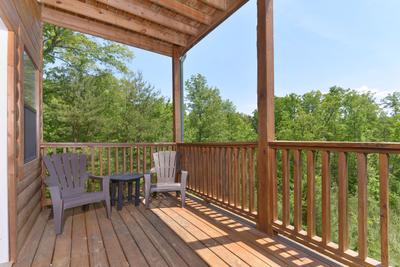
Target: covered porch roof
<point x="161" y="26"/>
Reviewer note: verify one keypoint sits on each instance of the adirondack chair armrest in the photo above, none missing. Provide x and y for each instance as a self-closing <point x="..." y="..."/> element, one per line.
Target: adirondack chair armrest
<point x="184" y="175"/>
<point x="105" y="182"/>
<point x="96" y="177"/>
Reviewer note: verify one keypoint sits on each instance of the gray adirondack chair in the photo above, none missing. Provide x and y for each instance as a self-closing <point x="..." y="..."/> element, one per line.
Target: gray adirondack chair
<point x="67" y="181"/>
<point x="165" y="168"/>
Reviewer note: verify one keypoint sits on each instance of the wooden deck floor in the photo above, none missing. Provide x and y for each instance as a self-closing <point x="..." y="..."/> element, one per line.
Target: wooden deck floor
<point x="165" y="235"/>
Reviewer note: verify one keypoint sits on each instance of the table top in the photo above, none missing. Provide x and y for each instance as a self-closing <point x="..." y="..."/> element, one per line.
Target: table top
<point x="126" y="176"/>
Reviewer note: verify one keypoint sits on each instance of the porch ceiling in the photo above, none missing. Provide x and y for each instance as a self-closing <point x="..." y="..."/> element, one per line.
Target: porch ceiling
<point x="160" y="26"/>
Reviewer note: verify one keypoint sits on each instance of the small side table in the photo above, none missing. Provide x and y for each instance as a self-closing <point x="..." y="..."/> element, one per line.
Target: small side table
<point x="118" y="180"/>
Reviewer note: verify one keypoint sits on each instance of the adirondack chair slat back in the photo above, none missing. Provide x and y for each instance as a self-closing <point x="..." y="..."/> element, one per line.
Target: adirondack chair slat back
<point x="165" y="166"/>
<point x="68" y="171"/>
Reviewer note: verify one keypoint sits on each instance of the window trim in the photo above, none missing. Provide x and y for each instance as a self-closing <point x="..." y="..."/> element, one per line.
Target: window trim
<point x="36" y="108"/>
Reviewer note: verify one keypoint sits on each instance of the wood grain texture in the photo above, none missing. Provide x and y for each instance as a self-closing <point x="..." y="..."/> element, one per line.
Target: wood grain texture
<point x="310" y="194"/>
<point x="265" y="104"/>
<point x="184" y="10"/>
<point x="132" y="23"/>
<point x="362" y="205"/>
<point x="343" y="194"/>
<point x="326" y="198"/>
<point x="140" y="10"/>
<point x="285" y="188"/>
<point x="88" y="26"/>
<point x="297" y="190"/>
<point x="177" y="96"/>
<point x="384" y="207"/>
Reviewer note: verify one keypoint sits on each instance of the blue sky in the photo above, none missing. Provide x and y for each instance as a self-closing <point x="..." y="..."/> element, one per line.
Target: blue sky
<point x="318" y="44"/>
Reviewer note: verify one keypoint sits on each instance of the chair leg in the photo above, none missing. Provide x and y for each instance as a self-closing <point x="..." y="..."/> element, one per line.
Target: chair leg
<point x="108" y="206"/>
<point x="147" y="199"/>
<point x="183" y="197"/>
<point x="58" y="211"/>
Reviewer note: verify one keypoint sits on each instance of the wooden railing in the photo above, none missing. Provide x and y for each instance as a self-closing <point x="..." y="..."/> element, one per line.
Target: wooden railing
<point x="294" y="211"/>
<point x="106" y="159"/>
<point x="223" y="173"/>
<point x="310" y="186"/>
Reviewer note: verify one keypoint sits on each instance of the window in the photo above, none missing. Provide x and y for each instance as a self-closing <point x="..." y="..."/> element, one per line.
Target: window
<point x="30" y="113"/>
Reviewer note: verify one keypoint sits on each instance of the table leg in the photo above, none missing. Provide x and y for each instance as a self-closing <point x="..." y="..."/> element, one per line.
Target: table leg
<point x="137" y="192"/>
<point x="130" y="185"/>
<point x="113" y="191"/>
<point x="120" y="195"/>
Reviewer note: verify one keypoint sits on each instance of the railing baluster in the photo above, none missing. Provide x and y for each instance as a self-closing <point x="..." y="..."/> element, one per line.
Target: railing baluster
<point x="229" y="172"/>
<point x="251" y="181"/>
<point x="211" y="161"/>
<point x="214" y="172"/>
<point x="362" y="205"/>
<point x="235" y="177"/>
<point x="297" y="190"/>
<point x="243" y="177"/>
<point x="200" y="153"/>
<point x="326" y="198"/>
<point x="138" y="158"/>
<point x="144" y="158"/>
<point x="274" y="184"/>
<point x="384" y="207"/>
<point x="206" y="172"/>
<point x="131" y="159"/>
<point x="151" y="156"/>
<point x="109" y="160"/>
<point x="223" y="174"/>
<point x="116" y="163"/>
<point x="92" y="160"/>
<point x="124" y="159"/>
<point x="101" y="160"/>
<point x="285" y="188"/>
<point x="197" y="163"/>
<point x="343" y="213"/>
<point x="310" y="194"/>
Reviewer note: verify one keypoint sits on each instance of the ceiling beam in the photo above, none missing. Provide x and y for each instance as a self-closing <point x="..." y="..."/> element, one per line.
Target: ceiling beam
<point x="184" y="10"/>
<point x="135" y="8"/>
<point x="110" y="17"/>
<point x="88" y="26"/>
<point x="218" y="4"/>
<point x="235" y="5"/>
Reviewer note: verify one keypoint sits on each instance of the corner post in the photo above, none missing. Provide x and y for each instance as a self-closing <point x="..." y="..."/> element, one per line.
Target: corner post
<point x="265" y="104"/>
<point x="177" y="95"/>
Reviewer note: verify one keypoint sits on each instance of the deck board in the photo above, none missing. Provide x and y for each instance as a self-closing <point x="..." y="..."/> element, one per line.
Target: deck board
<point x="97" y="255"/>
<point x="131" y="250"/>
<point x="63" y="245"/>
<point x="164" y="235"/>
<point x="79" y="250"/>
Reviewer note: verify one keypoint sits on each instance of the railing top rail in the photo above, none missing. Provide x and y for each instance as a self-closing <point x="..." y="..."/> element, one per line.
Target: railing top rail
<point x="219" y="144"/>
<point x="60" y="145"/>
<point x="366" y="147"/>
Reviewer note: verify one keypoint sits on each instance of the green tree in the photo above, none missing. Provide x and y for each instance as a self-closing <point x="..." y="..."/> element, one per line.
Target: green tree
<point x="90" y="94"/>
<point x="210" y="118"/>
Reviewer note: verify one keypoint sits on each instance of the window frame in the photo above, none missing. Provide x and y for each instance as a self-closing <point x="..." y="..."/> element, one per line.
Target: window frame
<point x="36" y="107"/>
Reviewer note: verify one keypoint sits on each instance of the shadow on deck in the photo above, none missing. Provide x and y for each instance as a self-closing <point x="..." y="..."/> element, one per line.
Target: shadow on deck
<point x="165" y="235"/>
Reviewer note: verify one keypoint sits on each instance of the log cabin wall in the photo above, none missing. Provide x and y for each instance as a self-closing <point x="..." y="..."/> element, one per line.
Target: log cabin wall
<point x="23" y="20"/>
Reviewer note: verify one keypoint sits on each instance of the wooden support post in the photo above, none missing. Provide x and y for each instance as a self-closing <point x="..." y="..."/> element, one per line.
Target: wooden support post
<point x="265" y="103"/>
<point x="177" y="95"/>
<point x="12" y="145"/>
